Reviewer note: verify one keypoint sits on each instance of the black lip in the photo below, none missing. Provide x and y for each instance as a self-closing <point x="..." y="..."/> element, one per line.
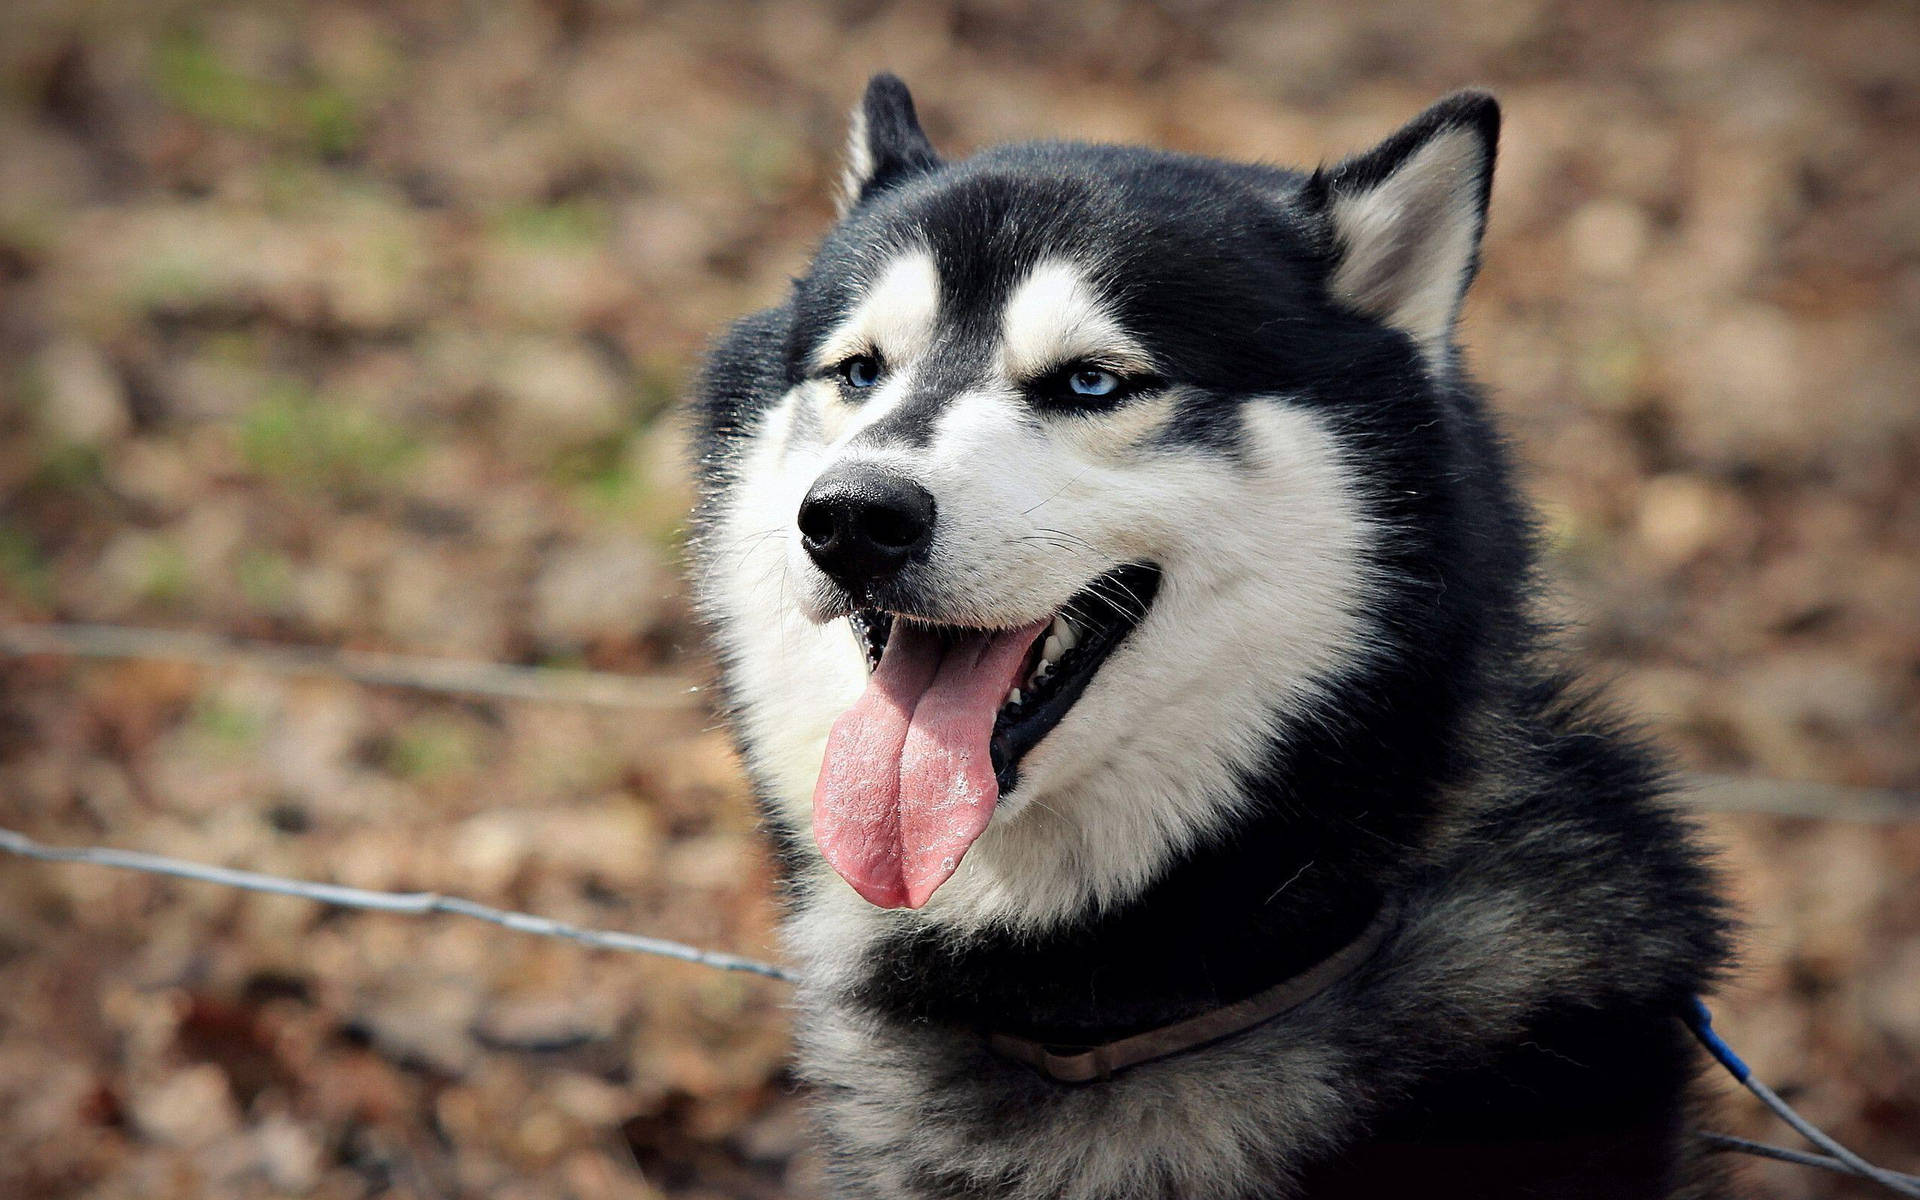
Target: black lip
<point x="1106" y="611"/>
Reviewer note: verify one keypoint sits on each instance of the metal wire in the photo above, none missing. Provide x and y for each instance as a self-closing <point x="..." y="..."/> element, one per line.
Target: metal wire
<point x="1700" y="1021"/>
<point x="1838" y="1158"/>
<point x="414" y="903"/>
<point x="1800" y="1158"/>
<point x="1894" y="1182"/>
<point x="503" y="681"/>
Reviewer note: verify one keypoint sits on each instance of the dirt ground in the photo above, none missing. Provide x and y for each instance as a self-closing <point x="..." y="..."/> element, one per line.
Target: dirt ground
<point x="358" y="325"/>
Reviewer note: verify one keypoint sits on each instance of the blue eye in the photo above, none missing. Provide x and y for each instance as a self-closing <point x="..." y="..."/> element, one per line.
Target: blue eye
<point x="861" y="371"/>
<point x="1090" y="381"/>
<point x="1086" y="387"/>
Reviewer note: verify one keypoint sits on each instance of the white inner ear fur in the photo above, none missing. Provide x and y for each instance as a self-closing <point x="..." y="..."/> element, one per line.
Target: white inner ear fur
<point x="895" y="318"/>
<point x="1054" y="317"/>
<point x="859" y="164"/>
<point x="1407" y="243"/>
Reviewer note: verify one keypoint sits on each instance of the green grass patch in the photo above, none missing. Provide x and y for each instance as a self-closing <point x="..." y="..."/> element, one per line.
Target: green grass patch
<point x="68" y="467"/>
<point x="31" y="233"/>
<point x="578" y="223"/>
<point x="192" y="77"/>
<point x="767" y="159"/>
<point x="165" y="576"/>
<point x="659" y="388"/>
<point x="24" y="571"/>
<point x="432" y="748"/>
<point x="607" y="477"/>
<point x="1609" y="371"/>
<point x="296" y="439"/>
<point x="265" y="578"/>
<point x="234" y="348"/>
<point x="329" y="120"/>
<point x="312" y="114"/>
<point x="165" y="281"/>
<point x="599" y="472"/>
<point x="608" y="474"/>
<point x="609" y="480"/>
<point x="232" y="727"/>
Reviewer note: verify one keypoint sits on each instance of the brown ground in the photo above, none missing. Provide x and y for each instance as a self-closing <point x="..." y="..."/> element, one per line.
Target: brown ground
<point x="351" y="324"/>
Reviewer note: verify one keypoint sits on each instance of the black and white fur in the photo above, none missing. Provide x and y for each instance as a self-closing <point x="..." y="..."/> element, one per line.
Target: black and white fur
<point x="1337" y="696"/>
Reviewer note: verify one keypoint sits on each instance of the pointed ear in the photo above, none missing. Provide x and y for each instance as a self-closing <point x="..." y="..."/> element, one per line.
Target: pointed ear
<point x="1406" y="219"/>
<point x="884" y="143"/>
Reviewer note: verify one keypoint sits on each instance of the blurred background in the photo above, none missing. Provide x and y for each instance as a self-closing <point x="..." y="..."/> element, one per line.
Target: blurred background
<point x="360" y="325"/>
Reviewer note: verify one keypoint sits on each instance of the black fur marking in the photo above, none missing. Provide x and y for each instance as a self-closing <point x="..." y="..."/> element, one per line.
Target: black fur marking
<point x="950" y="370"/>
<point x="1206" y="421"/>
<point x="1206" y="255"/>
<point x="1472" y="110"/>
<point x="895" y="146"/>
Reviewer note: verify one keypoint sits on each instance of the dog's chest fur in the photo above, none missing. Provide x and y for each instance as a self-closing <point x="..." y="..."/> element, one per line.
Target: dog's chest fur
<point x="1519" y="1048"/>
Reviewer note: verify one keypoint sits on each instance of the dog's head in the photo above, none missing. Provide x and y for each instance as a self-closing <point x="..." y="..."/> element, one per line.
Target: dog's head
<point x="1067" y="480"/>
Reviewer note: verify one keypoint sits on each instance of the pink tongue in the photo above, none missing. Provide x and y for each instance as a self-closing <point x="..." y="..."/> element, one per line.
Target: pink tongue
<point x="907" y="784"/>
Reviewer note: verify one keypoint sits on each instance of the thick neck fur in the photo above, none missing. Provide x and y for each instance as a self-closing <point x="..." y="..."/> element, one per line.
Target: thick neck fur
<point x="1517" y="1029"/>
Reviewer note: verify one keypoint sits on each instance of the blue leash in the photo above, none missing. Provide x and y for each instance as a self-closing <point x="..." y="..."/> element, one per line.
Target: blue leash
<point x="1836" y="1157"/>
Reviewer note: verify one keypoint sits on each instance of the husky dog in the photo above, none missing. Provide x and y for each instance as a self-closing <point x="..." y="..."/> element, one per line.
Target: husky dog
<point x="1122" y="602"/>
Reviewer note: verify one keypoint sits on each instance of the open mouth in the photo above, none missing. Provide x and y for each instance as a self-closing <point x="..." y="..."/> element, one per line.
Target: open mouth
<point x="1063" y="659"/>
<point x="913" y="771"/>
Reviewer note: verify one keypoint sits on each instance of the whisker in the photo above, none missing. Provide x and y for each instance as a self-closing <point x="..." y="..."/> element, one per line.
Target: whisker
<point x="753" y="541"/>
<point x="1076" y="614"/>
<point x="1120" y="596"/>
<point x="1057" y="492"/>
<point x="762" y="535"/>
<point x="1072" y="537"/>
<point x="1056" y="543"/>
<point x="1049" y="810"/>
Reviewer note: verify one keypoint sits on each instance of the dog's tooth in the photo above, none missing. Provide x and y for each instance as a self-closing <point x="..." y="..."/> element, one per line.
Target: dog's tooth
<point x="1063" y="629"/>
<point x="1040" y="674"/>
<point x="1013" y="697"/>
<point x="1052" y="649"/>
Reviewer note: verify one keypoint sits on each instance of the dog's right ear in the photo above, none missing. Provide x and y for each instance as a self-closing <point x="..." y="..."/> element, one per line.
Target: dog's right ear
<point x="884" y="143"/>
<point x="1406" y="218"/>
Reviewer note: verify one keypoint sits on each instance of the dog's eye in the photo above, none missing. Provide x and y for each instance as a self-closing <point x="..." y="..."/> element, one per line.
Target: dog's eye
<point x="1088" y="385"/>
<point x="861" y="371"/>
<point x="1092" y="381"/>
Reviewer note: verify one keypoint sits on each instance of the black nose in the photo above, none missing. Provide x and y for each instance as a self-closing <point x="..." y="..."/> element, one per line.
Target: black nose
<point x="860" y="523"/>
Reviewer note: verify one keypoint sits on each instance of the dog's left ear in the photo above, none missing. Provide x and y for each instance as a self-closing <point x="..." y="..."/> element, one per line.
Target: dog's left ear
<point x="1406" y="218"/>
<point x="885" y="143"/>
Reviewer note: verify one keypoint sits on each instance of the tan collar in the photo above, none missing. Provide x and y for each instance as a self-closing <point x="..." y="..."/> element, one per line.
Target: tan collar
<point x="1085" y="1064"/>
